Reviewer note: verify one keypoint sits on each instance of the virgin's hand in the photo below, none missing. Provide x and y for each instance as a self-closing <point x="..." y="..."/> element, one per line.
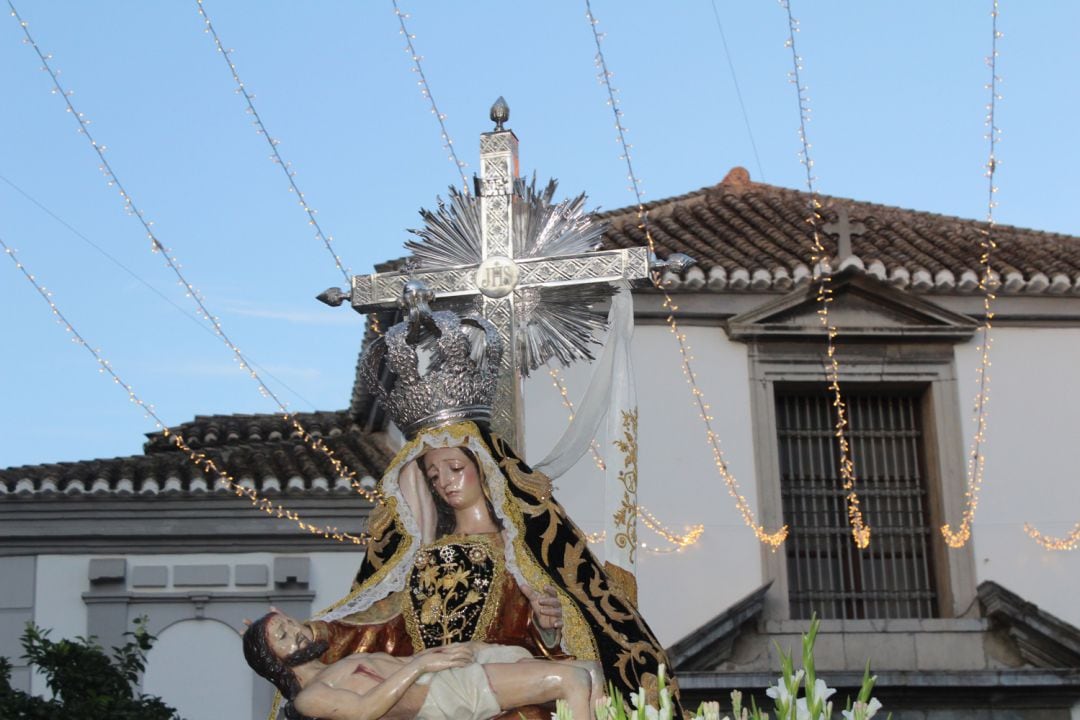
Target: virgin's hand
<point x="441" y="658"/>
<point x="547" y="611"/>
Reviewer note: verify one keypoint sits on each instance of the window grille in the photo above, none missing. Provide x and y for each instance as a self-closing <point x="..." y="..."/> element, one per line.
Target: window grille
<point x="827" y="573"/>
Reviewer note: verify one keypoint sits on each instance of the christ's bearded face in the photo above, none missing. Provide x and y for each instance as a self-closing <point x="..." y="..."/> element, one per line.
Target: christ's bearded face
<point x="291" y="640"/>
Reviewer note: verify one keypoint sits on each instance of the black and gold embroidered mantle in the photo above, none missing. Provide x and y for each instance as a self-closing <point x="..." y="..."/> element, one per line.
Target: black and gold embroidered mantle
<point x="454" y="589"/>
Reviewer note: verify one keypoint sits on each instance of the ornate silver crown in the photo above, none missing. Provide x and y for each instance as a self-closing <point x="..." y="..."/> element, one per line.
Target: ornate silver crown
<point x="434" y="368"/>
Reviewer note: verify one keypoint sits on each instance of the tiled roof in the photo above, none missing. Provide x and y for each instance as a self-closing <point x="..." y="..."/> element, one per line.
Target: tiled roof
<point x="226" y="430"/>
<point x="259" y="451"/>
<point x="752" y="236"/>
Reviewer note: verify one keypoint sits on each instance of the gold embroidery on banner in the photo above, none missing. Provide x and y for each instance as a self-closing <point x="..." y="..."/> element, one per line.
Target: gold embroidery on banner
<point x="627" y="659"/>
<point x="373" y="552"/>
<point x="600" y="594"/>
<point x="625" y="518"/>
<point x="672" y="683"/>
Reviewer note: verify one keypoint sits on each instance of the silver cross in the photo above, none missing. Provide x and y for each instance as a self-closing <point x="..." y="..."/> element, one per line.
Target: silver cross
<point x="502" y="277"/>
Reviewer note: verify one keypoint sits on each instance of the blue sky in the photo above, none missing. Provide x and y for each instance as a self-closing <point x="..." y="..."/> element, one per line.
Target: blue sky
<point x="896" y="91"/>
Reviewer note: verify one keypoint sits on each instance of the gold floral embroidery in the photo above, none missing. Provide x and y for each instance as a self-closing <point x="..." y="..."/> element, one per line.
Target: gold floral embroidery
<point x="625" y="518"/>
<point x="454" y="590"/>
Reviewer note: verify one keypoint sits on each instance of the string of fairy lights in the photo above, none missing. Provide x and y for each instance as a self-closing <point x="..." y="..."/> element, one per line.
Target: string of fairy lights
<point x="327" y="240"/>
<point x="1068" y="541"/>
<point x="775" y="538"/>
<point x="201" y="460"/>
<point x="425" y="90"/>
<point x="275" y="152"/>
<point x="989" y="280"/>
<point x="677" y="542"/>
<point x="819" y="260"/>
<point x="173" y="264"/>
<point x="138" y="278"/>
<point x="650" y="521"/>
<point x="976" y="460"/>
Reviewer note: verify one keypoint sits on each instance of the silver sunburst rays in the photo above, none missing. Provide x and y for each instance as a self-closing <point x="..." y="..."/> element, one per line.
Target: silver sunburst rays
<point x="553" y="320"/>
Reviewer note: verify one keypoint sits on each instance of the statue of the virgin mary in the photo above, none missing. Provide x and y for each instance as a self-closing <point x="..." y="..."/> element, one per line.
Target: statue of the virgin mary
<point x="468" y="535"/>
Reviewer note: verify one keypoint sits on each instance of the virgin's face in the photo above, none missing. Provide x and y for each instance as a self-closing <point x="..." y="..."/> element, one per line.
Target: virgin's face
<point x="454" y="477"/>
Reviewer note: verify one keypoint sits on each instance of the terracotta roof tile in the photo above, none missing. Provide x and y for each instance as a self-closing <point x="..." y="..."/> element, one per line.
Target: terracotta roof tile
<point x="221" y="430"/>
<point x="748" y="235"/>
<point x="257" y="450"/>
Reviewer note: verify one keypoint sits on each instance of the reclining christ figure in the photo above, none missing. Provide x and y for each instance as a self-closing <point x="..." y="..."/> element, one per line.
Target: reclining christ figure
<point x="461" y="681"/>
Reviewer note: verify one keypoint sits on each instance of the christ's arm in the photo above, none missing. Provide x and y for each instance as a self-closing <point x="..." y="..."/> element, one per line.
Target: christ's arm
<point x="323" y="701"/>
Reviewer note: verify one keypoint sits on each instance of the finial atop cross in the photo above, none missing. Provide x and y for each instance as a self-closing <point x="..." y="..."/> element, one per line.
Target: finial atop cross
<point x="844" y="229"/>
<point x="500" y="113"/>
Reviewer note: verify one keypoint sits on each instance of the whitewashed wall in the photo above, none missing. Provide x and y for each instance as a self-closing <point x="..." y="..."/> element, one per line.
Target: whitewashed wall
<point x="678" y="481"/>
<point x="60" y="581"/>
<point x="196" y="667"/>
<point x="1032" y="473"/>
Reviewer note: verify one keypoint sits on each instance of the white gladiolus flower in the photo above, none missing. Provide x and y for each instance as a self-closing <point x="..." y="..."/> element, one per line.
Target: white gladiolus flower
<point x="780" y="693"/>
<point x="862" y="711"/>
<point x="822" y="691"/>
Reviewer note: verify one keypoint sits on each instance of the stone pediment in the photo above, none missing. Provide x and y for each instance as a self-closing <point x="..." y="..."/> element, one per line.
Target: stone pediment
<point x="1041" y="639"/>
<point x="862" y="307"/>
<point x="712" y="643"/>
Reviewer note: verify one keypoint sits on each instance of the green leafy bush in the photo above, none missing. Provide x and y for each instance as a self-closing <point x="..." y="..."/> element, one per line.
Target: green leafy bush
<point x="86" y="683"/>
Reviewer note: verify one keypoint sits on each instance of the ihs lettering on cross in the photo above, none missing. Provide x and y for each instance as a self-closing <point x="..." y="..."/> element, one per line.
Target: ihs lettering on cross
<point x="529" y="266"/>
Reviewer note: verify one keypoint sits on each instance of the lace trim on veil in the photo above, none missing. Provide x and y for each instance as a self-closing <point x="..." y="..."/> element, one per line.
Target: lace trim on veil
<point x="397" y="576"/>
